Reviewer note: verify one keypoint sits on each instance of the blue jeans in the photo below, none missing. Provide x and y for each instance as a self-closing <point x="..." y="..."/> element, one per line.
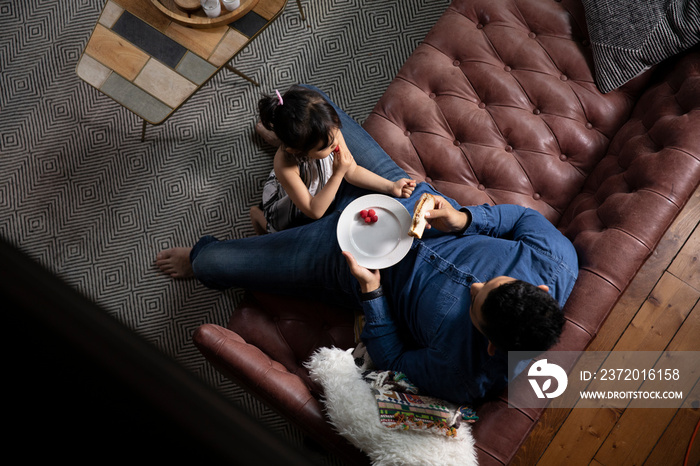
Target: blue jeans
<point x="306" y="260"/>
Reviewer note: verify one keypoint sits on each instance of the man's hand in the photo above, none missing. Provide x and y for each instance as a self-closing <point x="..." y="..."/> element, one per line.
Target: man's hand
<point x="446" y="218"/>
<point x="369" y="280"/>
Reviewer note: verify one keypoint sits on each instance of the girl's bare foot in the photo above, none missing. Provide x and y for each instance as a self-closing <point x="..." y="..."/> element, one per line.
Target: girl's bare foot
<point x="175" y="262"/>
<point x="268" y="136"/>
<point x="257" y="217"/>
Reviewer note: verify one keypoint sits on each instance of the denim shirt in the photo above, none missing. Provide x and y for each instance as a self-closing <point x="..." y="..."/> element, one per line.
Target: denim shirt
<point x="421" y="325"/>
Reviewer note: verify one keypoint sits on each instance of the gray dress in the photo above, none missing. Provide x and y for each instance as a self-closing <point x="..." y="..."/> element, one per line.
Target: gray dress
<point x="280" y="212"/>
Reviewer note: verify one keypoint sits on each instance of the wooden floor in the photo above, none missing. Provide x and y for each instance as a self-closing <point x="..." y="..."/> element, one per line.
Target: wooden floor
<point x="660" y="310"/>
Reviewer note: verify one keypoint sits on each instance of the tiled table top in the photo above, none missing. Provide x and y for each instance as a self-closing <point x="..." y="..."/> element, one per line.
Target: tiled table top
<point x="152" y="65"/>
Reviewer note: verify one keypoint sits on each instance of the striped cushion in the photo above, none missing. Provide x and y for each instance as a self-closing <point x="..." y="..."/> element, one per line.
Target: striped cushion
<point x="628" y="37"/>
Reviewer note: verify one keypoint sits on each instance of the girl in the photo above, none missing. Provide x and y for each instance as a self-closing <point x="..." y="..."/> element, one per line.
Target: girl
<point x="311" y="161"/>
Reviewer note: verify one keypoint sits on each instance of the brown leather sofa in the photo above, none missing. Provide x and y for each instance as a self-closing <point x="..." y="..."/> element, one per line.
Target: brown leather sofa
<point x="499" y="105"/>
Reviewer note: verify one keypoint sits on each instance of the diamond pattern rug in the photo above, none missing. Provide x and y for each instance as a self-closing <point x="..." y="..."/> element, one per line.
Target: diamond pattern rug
<point x="83" y="196"/>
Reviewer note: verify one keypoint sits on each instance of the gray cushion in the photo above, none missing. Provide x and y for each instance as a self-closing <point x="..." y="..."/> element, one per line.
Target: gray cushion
<point x="630" y="36"/>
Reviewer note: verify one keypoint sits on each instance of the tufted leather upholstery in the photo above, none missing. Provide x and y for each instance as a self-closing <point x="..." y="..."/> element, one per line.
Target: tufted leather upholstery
<point x="288" y="330"/>
<point x="498" y="105"/>
<point x="514" y="116"/>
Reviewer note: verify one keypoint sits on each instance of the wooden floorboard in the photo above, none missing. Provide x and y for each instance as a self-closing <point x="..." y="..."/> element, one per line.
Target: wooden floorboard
<point x="660" y="310"/>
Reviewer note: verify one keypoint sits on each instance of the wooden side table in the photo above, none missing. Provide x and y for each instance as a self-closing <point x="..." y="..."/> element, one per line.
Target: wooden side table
<point x="151" y="64"/>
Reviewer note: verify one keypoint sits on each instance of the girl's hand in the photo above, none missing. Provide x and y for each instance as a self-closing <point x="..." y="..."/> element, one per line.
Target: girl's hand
<point x="342" y="160"/>
<point x="403" y="187"/>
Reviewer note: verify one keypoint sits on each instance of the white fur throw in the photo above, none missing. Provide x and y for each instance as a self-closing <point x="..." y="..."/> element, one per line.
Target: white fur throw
<point x="353" y="412"/>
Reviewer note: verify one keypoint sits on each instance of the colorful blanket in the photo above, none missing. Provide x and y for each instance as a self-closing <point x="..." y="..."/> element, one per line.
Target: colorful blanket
<point x="401" y="406"/>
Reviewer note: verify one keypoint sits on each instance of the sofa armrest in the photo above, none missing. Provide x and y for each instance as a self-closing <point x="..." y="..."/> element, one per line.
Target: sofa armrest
<point x="270" y="381"/>
<point x="289" y="329"/>
<point x="258" y="373"/>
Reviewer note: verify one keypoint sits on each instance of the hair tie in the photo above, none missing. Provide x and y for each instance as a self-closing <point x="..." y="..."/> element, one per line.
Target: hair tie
<point x="279" y="97"/>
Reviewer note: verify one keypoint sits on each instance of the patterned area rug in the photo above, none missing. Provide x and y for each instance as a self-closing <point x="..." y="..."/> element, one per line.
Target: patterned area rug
<point x="82" y="195"/>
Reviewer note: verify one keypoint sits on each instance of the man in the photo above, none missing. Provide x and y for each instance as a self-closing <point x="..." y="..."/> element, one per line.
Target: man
<point x="448" y="313"/>
<point x="483" y="280"/>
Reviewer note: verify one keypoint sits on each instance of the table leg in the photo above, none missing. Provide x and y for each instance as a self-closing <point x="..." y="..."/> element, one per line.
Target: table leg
<point x="143" y="131"/>
<point x="231" y="68"/>
<point x="301" y="10"/>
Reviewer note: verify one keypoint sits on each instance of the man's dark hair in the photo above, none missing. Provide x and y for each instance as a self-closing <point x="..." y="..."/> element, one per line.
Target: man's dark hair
<point x="518" y="316"/>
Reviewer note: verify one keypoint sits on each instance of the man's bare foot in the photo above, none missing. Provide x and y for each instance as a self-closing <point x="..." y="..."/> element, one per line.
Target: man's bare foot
<point x="175" y="262"/>
<point x="268" y="136"/>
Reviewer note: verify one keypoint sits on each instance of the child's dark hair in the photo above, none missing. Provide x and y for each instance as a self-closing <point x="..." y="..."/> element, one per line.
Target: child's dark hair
<point x="302" y="121"/>
<point x="519" y="316"/>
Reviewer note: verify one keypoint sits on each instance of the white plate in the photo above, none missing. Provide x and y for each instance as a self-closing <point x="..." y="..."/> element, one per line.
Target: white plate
<point x="375" y="245"/>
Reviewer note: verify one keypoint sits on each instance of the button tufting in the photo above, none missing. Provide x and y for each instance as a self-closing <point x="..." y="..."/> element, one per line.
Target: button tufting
<point x="563" y="157"/>
<point x="507" y="68"/>
<point x="479" y="26"/>
<point x="589" y="125"/>
<point x="455" y="63"/>
<point x="407" y="133"/>
<point x="532" y="35"/>
<point x="536" y="111"/>
<point x="564" y="77"/>
<point x="456" y="142"/>
<point x="482" y="105"/>
<point x="431" y="95"/>
<point x="481" y="187"/>
<point x="536" y="196"/>
<point x="509" y="148"/>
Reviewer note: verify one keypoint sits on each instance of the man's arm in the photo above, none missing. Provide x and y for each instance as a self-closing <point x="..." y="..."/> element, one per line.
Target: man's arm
<point x="502" y="221"/>
<point x="424" y="367"/>
<point x="532" y="229"/>
<point x="520" y="223"/>
<point x="380" y="333"/>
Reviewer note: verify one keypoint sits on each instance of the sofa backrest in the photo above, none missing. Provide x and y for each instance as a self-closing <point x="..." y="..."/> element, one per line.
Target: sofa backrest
<point x="498" y="105"/>
<point x="650" y="170"/>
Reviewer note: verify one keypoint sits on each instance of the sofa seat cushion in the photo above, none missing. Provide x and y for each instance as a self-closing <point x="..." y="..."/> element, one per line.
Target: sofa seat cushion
<point x="514" y="117"/>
